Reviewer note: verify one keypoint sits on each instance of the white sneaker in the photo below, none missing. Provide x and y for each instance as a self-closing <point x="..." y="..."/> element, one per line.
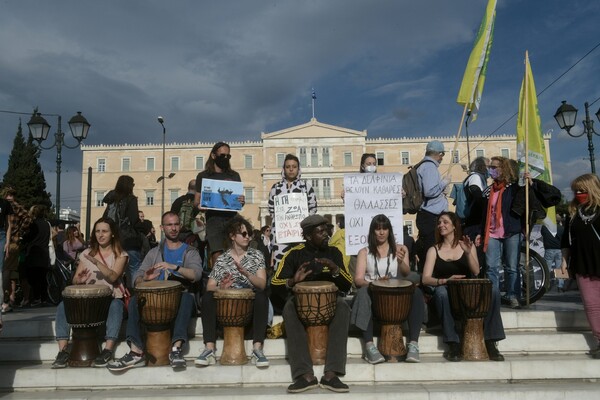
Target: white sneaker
<point x="372" y="355"/>
<point x="207" y="357"/>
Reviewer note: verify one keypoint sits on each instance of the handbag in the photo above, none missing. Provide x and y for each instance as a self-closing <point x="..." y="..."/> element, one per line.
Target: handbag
<point x="51" y="250"/>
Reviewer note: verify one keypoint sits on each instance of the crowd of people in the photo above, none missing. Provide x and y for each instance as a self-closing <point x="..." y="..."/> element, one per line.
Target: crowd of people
<point x="209" y="250"/>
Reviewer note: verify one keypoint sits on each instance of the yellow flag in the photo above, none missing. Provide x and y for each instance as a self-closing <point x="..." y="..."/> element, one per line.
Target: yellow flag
<point x="474" y="76"/>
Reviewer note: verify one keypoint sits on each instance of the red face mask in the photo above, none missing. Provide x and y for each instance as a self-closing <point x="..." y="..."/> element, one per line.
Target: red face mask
<point x="581" y="198"/>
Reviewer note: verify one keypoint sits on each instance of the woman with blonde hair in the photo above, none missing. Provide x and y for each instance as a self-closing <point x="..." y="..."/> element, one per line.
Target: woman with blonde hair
<point x="581" y="247"/>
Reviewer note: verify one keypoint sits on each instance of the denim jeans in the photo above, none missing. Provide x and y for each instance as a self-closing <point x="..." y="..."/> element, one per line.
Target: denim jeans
<point x="553" y="258"/>
<point x="134" y="261"/>
<point x="187" y="309"/>
<point x="2" y="244"/>
<point x="508" y="250"/>
<point x="113" y="321"/>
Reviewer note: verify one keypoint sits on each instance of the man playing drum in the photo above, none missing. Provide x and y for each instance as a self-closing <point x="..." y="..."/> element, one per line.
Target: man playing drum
<point x="171" y="260"/>
<point x="314" y="260"/>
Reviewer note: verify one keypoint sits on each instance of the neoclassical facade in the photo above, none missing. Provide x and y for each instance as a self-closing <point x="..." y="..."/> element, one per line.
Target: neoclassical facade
<point x="326" y="153"/>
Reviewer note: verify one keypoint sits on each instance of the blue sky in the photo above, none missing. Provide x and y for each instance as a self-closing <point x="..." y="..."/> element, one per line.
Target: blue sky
<point x="234" y="69"/>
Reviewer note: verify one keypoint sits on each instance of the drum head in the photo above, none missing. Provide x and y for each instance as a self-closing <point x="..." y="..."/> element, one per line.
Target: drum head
<point x="314" y="287"/>
<point x="87" y="291"/>
<point x="152" y="285"/>
<point x="392" y="283"/>
<point x="234" y="294"/>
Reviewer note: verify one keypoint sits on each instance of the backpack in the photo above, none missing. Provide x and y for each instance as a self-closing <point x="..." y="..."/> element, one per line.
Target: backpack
<point x="129" y="236"/>
<point x="462" y="198"/>
<point x="414" y="198"/>
<point x="186" y="215"/>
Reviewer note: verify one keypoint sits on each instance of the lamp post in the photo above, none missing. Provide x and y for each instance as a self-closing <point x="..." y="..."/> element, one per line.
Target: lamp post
<point x="566" y="116"/>
<point x="39" y="128"/>
<point x="162" y="178"/>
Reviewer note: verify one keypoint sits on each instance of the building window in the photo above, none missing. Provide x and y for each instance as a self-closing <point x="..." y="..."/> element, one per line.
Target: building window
<point x="380" y="158"/>
<point x="174" y="163"/>
<point x="199" y="163"/>
<point x="174" y="194"/>
<point x="455" y="156"/>
<point x="248" y="161"/>
<point x="149" y="197"/>
<point x="280" y="159"/>
<point x="99" y="197"/>
<point x="125" y="164"/>
<point x="347" y="159"/>
<point x="314" y="157"/>
<point x="479" y="153"/>
<point x="101" y="165"/>
<point x="150" y="164"/>
<point x="303" y="156"/>
<point x="315" y="185"/>
<point x="326" y="161"/>
<point x="405" y="156"/>
<point x="327" y="188"/>
<point x="249" y="195"/>
<point x="409" y="227"/>
<point x="505" y="153"/>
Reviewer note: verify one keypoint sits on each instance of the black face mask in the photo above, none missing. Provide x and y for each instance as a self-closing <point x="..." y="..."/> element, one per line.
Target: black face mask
<point x="222" y="162"/>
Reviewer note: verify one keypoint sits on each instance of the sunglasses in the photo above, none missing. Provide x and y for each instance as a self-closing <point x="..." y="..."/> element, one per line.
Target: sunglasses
<point x="226" y="156"/>
<point x="244" y="234"/>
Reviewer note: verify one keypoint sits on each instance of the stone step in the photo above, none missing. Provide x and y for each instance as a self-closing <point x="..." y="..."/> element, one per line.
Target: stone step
<point x="432" y="369"/>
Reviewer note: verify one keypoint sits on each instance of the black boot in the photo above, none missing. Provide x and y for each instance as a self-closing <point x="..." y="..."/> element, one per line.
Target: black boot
<point x="492" y="350"/>
<point x="453" y="354"/>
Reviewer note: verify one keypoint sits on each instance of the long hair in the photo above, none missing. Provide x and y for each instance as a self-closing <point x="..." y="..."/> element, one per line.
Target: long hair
<point x="209" y="165"/>
<point x="363" y="158"/>
<point x="115" y="242"/>
<point x="124" y="187"/>
<point x="70" y="234"/>
<point x="234" y="225"/>
<point x="479" y="165"/>
<point x="589" y="183"/>
<point x="508" y="173"/>
<point x="380" y="221"/>
<point x="457" y="229"/>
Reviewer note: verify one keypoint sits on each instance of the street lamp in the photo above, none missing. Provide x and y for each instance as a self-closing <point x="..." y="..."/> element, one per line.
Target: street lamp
<point x="566" y="116"/>
<point x="39" y="128"/>
<point x="162" y="178"/>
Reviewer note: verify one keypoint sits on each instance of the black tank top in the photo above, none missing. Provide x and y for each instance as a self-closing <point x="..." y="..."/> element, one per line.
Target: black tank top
<point x="445" y="269"/>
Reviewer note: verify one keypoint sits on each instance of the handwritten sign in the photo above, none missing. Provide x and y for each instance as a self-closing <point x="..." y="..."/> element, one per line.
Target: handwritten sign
<point x="290" y="210"/>
<point x="221" y="195"/>
<point x="367" y="195"/>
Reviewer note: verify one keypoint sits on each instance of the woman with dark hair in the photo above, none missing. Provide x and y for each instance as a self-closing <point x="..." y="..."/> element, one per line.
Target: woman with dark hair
<point x="36" y="263"/>
<point x="122" y="207"/>
<point x="102" y="263"/>
<point x="383" y="258"/>
<point x="368" y="163"/>
<point x="73" y="243"/>
<point x="581" y="248"/>
<point x="239" y="267"/>
<point x="217" y="167"/>
<point x="454" y="257"/>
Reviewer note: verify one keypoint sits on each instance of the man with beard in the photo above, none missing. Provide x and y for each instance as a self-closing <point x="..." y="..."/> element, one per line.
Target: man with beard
<point x="217" y="167"/>
<point x="314" y="260"/>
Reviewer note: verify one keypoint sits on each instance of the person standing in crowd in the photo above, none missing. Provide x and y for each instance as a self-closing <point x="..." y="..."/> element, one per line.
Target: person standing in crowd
<point x="122" y="207"/>
<point x="6" y="212"/>
<point x="73" y="243"/>
<point x="239" y="267"/>
<point x="552" y="248"/>
<point x="264" y="246"/>
<point x="581" y="248"/>
<point x="102" y="264"/>
<point x="314" y="260"/>
<point x="384" y="259"/>
<point x="434" y="198"/>
<point x="454" y="257"/>
<point x="37" y="256"/>
<point x="20" y="221"/>
<point x="184" y="207"/>
<point x="217" y="167"/>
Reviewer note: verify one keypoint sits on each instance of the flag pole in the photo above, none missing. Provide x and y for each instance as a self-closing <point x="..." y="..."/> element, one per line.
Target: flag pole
<point x="526" y="95"/>
<point x="462" y="120"/>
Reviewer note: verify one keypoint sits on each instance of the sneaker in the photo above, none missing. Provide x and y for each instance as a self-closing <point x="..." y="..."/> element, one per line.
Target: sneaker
<point x="103" y="358"/>
<point x="128" y="361"/>
<point x="61" y="361"/>
<point x="302" y="385"/>
<point x="492" y="349"/>
<point x="176" y="358"/>
<point x="413" y="353"/>
<point x="514" y="303"/>
<point x="259" y="359"/>
<point x="334" y="384"/>
<point x="372" y="355"/>
<point x="453" y="354"/>
<point x="207" y="357"/>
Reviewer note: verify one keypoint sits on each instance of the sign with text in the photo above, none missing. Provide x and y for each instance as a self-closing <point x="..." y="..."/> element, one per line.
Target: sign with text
<point x="290" y="210"/>
<point x="221" y="195"/>
<point x="365" y="196"/>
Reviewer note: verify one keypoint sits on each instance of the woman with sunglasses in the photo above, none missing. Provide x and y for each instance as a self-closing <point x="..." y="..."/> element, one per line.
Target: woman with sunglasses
<point x="239" y="267"/>
<point x="581" y="248"/>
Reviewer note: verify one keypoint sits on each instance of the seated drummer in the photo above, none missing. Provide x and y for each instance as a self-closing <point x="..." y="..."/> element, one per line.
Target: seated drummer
<point x="454" y="258"/>
<point x="314" y="260"/>
<point x="384" y="259"/>
<point x="171" y="260"/>
<point x="239" y="267"/>
<point x="102" y="263"/>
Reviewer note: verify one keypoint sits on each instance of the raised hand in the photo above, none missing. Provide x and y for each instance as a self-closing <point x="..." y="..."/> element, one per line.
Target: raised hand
<point x="466" y="244"/>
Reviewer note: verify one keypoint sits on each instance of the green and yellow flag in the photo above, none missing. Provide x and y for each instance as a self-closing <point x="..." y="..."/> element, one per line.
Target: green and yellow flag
<point x="474" y="76"/>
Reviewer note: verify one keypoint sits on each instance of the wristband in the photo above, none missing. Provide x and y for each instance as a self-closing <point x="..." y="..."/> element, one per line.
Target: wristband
<point x="177" y="269"/>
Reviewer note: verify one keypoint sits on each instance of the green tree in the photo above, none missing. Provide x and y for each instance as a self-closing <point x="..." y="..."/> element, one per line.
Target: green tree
<point x="24" y="172"/>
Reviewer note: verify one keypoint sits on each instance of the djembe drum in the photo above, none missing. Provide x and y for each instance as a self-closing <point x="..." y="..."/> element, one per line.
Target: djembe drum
<point x="158" y="303"/>
<point x="391" y="299"/>
<point x="234" y="312"/>
<point x="470" y="301"/>
<point x="315" y="304"/>
<point x="86" y="308"/>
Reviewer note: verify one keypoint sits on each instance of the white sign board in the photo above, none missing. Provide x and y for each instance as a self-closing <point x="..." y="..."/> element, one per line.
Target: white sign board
<point x="367" y="195"/>
<point x="290" y="210"/>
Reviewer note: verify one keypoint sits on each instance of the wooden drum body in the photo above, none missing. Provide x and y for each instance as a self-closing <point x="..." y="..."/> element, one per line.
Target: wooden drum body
<point x="86" y="308"/>
<point x="391" y="299"/>
<point x="158" y="303"/>
<point x="315" y="303"/>
<point x="234" y="311"/>
<point x="470" y="300"/>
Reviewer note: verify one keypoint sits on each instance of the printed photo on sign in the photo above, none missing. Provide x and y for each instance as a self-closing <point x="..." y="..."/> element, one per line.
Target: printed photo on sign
<point x="367" y="195"/>
<point x="290" y="210"/>
<point x="221" y="195"/>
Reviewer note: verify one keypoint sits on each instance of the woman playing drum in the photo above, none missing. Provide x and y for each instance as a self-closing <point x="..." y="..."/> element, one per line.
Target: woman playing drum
<point x="102" y="263"/>
<point x="239" y="267"/>
<point x="384" y="259"/>
<point x="455" y="258"/>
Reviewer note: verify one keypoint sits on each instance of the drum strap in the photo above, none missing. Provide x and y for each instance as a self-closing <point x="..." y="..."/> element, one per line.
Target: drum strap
<point x="387" y="270"/>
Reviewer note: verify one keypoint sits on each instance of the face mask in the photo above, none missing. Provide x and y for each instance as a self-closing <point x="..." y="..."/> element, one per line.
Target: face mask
<point x="371" y="168"/>
<point x="494" y="173"/>
<point x="222" y="162"/>
<point x="582" y="198"/>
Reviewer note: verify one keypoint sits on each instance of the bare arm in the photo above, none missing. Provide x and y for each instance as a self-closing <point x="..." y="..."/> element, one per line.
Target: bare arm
<point x="361" y="268"/>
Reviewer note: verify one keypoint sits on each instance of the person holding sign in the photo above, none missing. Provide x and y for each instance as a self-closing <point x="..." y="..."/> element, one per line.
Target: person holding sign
<point x="384" y="259"/>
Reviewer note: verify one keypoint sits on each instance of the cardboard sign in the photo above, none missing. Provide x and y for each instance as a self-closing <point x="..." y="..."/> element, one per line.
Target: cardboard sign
<point x="290" y="210"/>
<point x="221" y="195"/>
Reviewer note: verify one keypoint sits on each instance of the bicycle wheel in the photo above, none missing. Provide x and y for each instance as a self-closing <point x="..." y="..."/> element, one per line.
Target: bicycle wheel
<point x="55" y="287"/>
<point x="539" y="276"/>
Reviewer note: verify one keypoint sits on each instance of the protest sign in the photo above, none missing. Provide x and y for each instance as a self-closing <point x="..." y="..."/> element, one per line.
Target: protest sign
<point x="290" y="210"/>
<point x="221" y="195"/>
